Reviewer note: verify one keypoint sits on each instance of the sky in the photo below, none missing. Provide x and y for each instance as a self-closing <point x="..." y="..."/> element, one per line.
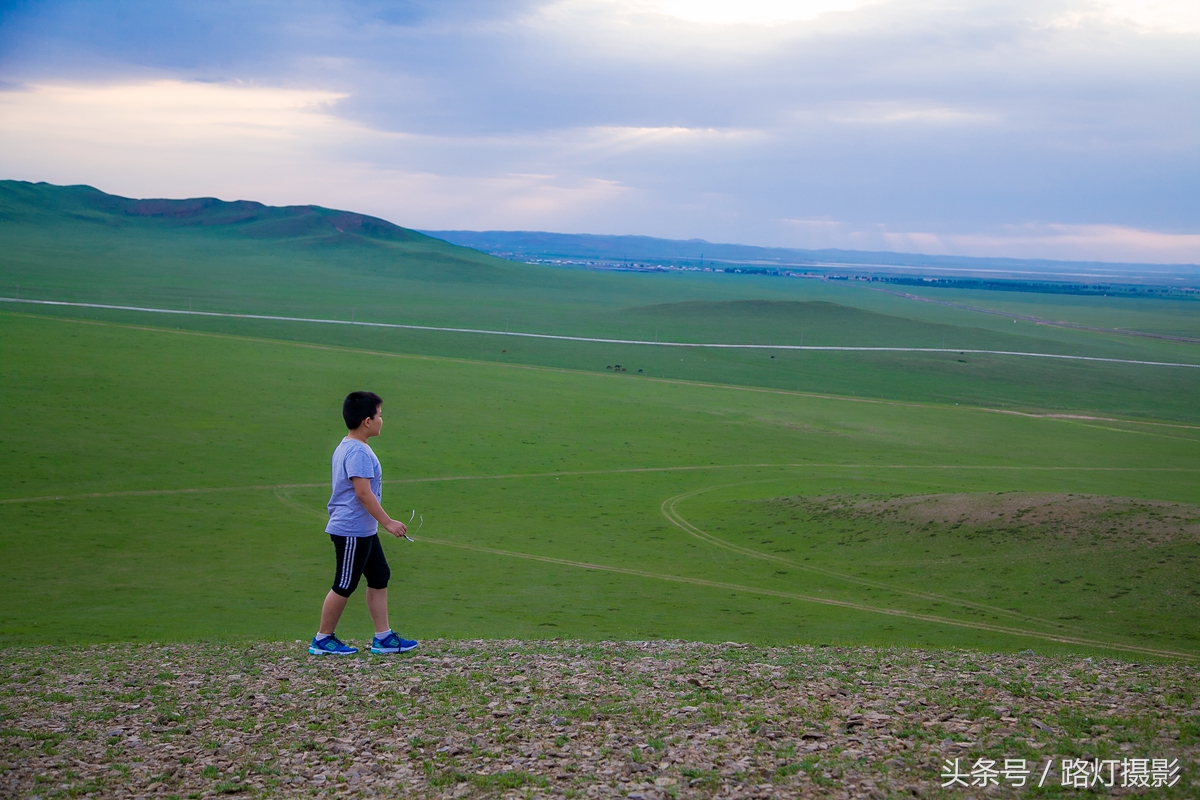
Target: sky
<point x="1066" y="129"/>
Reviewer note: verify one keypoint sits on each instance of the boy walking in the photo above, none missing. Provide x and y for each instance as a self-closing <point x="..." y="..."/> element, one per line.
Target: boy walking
<point x="355" y="515"/>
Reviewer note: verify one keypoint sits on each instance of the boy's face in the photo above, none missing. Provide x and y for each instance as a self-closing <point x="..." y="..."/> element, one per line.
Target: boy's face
<point x="374" y="424"/>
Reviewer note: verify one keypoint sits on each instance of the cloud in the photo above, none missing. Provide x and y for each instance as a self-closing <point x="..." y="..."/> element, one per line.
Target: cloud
<point x="1104" y="243"/>
<point x="913" y="123"/>
<point x="162" y="113"/>
<point x="891" y="112"/>
<point x="1176" y="16"/>
<point x="166" y="136"/>
<point x="1087" y="242"/>
<point x="723" y="12"/>
<point x="1180" y="16"/>
<point x="174" y="138"/>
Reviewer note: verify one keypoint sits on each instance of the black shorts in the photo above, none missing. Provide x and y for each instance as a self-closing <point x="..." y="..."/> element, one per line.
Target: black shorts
<point x="358" y="556"/>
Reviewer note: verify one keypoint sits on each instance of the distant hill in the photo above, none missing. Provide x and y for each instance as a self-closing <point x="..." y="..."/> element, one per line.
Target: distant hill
<point x="79" y="243"/>
<point x="21" y="201"/>
<point x="74" y="244"/>
<point x="537" y="245"/>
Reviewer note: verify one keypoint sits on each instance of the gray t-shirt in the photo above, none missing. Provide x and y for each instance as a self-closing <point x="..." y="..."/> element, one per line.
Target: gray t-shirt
<point x="347" y="516"/>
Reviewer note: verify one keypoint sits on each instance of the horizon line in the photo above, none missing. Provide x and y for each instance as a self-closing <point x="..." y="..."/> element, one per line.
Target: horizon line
<point x="1167" y="268"/>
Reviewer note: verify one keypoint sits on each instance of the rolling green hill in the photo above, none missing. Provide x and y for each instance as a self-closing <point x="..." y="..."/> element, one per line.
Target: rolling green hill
<point x="79" y="244"/>
<point x="164" y="476"/>
<point x="42" y="203"/>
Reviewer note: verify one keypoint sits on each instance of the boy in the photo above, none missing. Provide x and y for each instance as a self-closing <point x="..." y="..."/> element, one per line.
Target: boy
<point x="354" y="519"/>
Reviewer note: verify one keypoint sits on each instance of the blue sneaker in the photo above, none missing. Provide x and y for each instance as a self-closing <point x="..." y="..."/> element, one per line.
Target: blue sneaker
<point x="392" y="644"/>
<point x="330" y="646"/>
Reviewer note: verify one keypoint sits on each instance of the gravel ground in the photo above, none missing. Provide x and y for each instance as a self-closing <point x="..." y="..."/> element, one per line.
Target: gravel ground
<point x="554" y="719"/>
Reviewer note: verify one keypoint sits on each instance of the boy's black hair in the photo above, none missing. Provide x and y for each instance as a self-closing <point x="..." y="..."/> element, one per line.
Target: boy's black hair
<point x="360" y="406"/>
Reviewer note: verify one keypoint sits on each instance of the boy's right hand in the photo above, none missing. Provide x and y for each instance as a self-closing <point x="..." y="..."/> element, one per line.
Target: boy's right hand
<point x="396" y="528"/>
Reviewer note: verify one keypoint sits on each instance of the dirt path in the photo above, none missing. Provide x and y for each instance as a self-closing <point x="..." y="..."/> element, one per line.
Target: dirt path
<point x="808" y="598"/>
<point x="579" y="473"/>
<point x="599" y="340"/>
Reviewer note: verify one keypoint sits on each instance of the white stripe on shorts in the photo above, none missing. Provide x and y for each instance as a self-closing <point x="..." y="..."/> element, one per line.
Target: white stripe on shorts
<point x="348" y="562"/>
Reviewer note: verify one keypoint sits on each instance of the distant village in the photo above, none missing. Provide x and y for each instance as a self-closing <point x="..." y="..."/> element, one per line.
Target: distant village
<point x="818" y="272"/>
<point x="643" y="266"/>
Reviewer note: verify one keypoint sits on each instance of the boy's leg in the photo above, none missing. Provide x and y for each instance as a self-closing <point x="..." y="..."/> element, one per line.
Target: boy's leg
<point x="350" y="555"/>
<point x="377" y="605"/>
<point x="332" y="608"/>
<point x="349" y="561"/>
<point x="377" y="572"/>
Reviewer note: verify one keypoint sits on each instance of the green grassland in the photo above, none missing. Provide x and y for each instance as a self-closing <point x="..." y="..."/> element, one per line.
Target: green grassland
<point x="164" y="478"/>
<point x="70" y="243"/>
<point x="76" y="245"/>
<point x="204" y="458"/>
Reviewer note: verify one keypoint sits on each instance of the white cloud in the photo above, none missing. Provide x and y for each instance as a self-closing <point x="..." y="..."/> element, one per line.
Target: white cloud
<point x="169" y="137"/>
<point x="1104" y="243"/>
<point x="665" y="32"/>
<point x="1063" y="241"/>
<point x="895" y="112"/>
<point x="167" y="112"/>
<point x="1165" y="15"/>
<point x="743" y="12"/>
<point x="1176" y="16"/>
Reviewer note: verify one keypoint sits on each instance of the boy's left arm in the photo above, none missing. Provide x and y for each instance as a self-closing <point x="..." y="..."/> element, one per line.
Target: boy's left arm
<point x="362" y="490"/>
